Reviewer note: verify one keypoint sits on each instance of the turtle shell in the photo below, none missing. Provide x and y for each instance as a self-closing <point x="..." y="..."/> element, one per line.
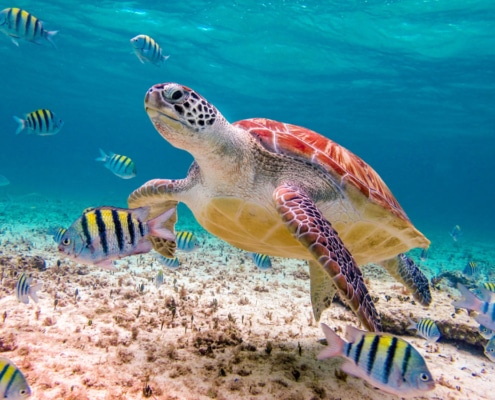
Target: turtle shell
<point x="304" y="143"/>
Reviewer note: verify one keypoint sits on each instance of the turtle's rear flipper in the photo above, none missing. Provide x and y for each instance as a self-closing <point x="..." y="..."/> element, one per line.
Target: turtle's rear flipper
<point x="405" y="271"/>
<point x="308" y="225"/>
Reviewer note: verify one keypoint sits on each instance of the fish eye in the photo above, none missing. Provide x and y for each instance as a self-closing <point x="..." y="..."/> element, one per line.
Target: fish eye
<point x="424" y="377"/>
<point x="66" y="241"/>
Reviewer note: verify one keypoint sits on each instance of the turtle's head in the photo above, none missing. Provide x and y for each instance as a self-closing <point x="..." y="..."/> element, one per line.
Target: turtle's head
<point x="183" y="117"/>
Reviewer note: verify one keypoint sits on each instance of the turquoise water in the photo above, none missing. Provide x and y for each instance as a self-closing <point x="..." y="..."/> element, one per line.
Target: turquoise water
<point x="406" y="85"/>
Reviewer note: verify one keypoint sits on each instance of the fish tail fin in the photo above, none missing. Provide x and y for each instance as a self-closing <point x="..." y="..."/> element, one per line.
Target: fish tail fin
<point x="165" y="58"/>
<point x="335" y="344"/>
<point x="33" y="291"/>
<point x="22" y="124"/>
<point x="103" y="156"/>
<point x="470" y="301"/>
<point x="49" y="37"/>
<point x="413" y="325"/>
<point x="158" y="225"/>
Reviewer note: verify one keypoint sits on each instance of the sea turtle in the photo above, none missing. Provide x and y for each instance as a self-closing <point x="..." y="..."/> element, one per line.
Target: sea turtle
<point x="283" y="190"/>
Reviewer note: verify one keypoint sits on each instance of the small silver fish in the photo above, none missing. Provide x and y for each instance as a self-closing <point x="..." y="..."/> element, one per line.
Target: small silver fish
<point x="103" y="234"/>
<point x="427" y="329"/>
<point x="159" y="279"/>
<point x="186" y="241"/>
<point x="13" y="384"/>
<point x="120" y="165"/>
<point x="20" y="24"/>
<point x="148" y="50"/>
<point x="456" y="233"/>
<point x="490" y="349"/>
<point x="42" y="122"/>
<point x="385" y="361"/>
<point x="24" y="290"/>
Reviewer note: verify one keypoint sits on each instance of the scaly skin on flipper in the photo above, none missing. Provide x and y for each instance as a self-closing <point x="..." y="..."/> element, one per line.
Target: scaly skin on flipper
<point x="153" y="194"/>
<point x="322" y="289"/>
<point x="404" y="270"/>
<point x="307" y="224"/>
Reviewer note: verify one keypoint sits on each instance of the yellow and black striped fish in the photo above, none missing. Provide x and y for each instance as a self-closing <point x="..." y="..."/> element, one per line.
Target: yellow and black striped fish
<point x="120" y="165"/>
<point x="103" y="234"/>
<point x="426" y="328"/>
<point x="186" y="241"/>
<point x="489" y="286"/>
<point x="147" y="49"/>
<point x="385" y="361"/>
<point x="20" y="24"/>
<point x="471" y="269"/>
<point x="41" y="122"/>
<point x="13" y="384"/>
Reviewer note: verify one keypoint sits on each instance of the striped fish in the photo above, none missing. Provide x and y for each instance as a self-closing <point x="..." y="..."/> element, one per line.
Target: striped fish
<point x="148" y="50"/>
<point x="485" y="307"/>
<point x="471" y="269"/>
<point x="262" y="261"/>
<point x="158" y="279"/>
<point x="171" y="263"/>
<point x="485" y="332"/>
<point x="24" y="290"/>
<point x="385" y="361"/>
<point x="122" y="166"/>
<point x="57" y="233"/>
<point x="427" y="329"/>
<point x="186" y="241"/>
<point x="13" y="384"/>
<point x="490" y="349"/>
<point x="41" y="122"/>
<point x="489" y="286"/>
<point x="20" y="24"/>
<point x="103" y="234"/>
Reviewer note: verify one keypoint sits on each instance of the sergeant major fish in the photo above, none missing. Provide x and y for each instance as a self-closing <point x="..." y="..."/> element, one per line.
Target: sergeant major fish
<point x="171" y="263"/>
<point x="57" y="233"/>
<point x="427" y="329"/>
<point x="147" y="49"/>
<point x="471" y="270"/>
<point x="20" y="24"/>
<point x="158" y="279"/>
<point x="13" y="384"/>
<point x="24" y="290"/>
<point x="262" y="261"/>
<point x="385" y="361"/>
<point x="456" y="233"/>
<point x="103" y="234"/>
<point x="122" y="166"/>
<point x="186" y="241"/>
<point x="490" y="349"/>
<point x="41" y="122"/>
<point x="485" y="307"/>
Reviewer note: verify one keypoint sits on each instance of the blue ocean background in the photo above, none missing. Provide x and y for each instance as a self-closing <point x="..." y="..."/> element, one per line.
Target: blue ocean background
<point x="409" y="86"/>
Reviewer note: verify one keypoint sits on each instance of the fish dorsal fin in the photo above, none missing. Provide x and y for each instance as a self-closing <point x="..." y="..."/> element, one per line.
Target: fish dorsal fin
<point x="353" y="334"/>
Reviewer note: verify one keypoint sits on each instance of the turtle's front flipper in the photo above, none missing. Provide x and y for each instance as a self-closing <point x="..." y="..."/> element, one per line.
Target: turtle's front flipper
<point x="153" y="194"/>
<point x="405" y="271"/>
<point x="309" y="226"/>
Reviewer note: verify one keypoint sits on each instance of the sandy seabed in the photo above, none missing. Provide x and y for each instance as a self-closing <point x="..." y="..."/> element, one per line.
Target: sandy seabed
<point x="218" y="328"/>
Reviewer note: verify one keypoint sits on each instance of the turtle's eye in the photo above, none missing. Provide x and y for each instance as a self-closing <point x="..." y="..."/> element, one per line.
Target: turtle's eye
<point x="66" y="241"/>
<point x="174" y="95"/>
